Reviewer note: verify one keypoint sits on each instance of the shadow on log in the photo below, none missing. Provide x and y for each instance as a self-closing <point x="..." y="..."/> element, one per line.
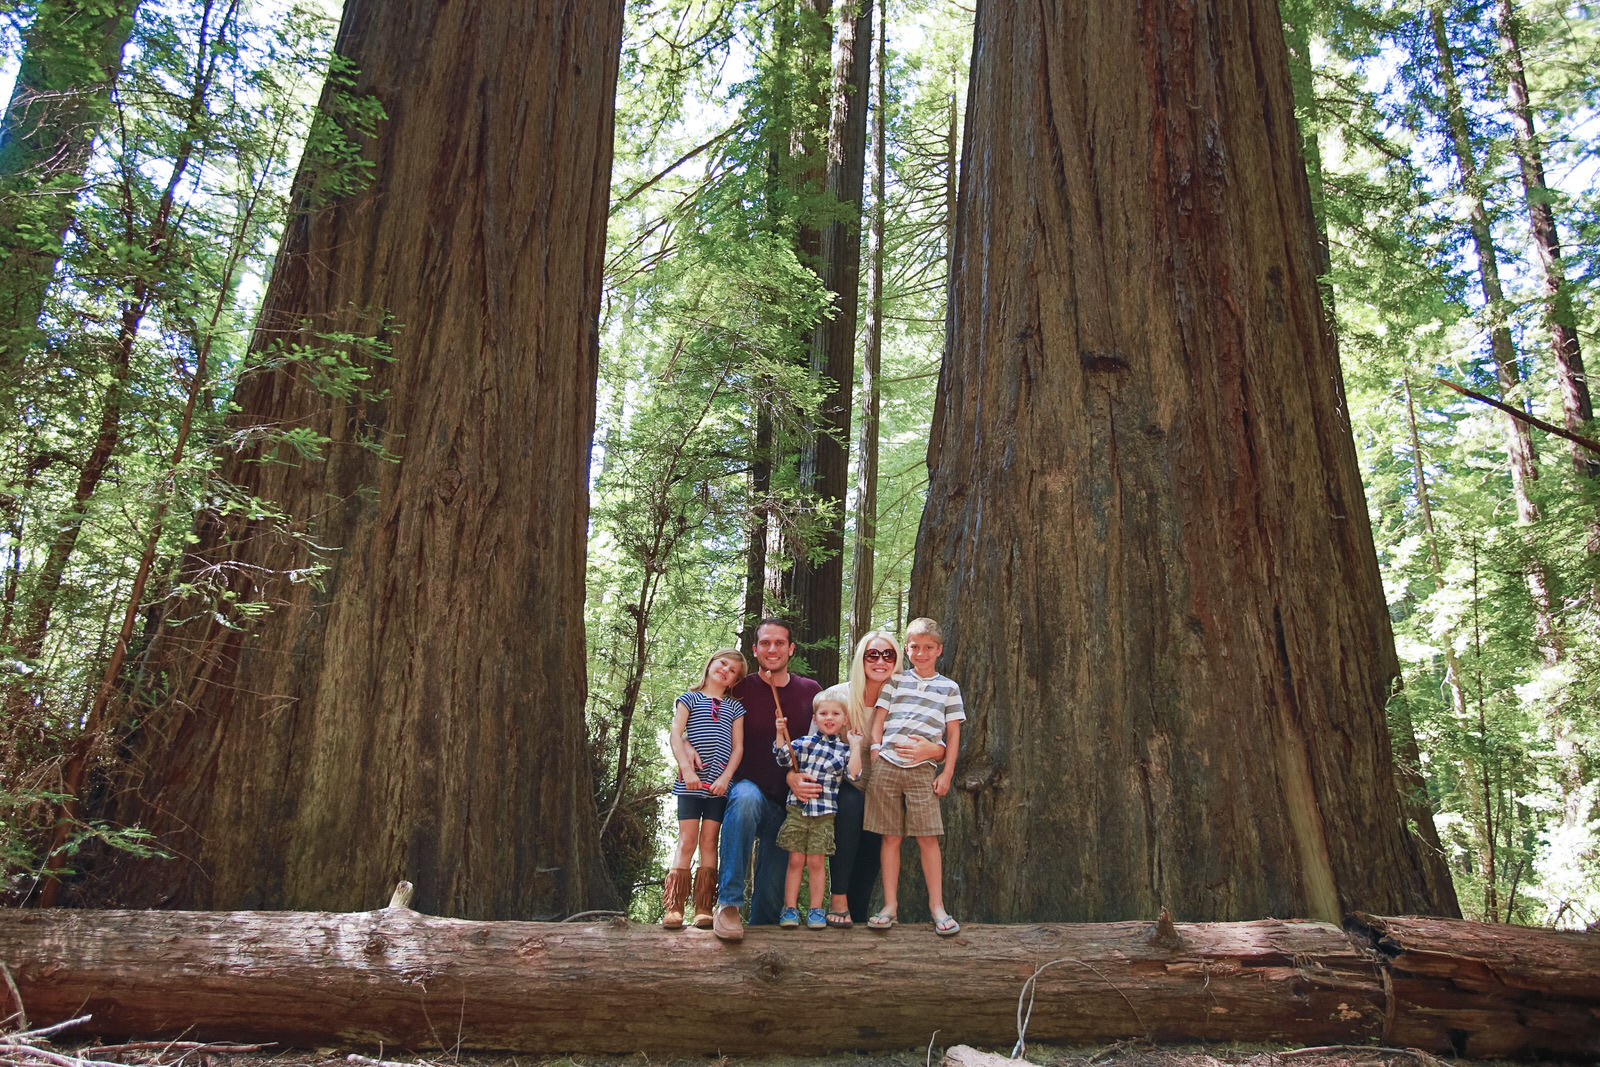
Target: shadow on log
<point x="404" y="979"/>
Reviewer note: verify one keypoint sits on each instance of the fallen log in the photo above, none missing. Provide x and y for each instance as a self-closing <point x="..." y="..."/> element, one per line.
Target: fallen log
<point x="1487" y="990"/>
<point x="400" y="979"/>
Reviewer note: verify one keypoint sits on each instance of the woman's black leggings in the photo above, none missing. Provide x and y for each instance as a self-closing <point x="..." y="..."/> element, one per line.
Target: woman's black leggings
<point x="856" y="857"/>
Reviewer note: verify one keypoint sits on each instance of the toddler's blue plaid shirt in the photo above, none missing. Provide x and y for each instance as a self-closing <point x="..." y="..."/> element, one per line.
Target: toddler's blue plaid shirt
<point x="825" y="759"/>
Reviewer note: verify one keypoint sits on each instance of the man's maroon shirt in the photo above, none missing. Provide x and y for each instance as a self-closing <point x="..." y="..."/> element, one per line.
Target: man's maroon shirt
<point x="758" y="764"/>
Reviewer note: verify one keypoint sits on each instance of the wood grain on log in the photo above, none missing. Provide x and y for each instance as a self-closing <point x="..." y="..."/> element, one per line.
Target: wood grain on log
<point x="1487" y="989"/>
<point x="403" y="979"/>
<point x="400" y="978"/>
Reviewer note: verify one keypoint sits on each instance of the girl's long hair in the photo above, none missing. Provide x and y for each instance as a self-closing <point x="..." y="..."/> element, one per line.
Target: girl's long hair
<point x="860" y="713"/>
<point x="721" y="653"/>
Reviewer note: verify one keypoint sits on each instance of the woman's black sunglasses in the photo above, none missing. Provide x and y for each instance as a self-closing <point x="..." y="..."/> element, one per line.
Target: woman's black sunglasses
<point x="877" y="653"/>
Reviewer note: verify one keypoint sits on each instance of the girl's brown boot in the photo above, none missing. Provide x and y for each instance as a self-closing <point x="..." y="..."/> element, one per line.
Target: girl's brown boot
<point x="705" y="896"/>
<point x="673" y="894"/>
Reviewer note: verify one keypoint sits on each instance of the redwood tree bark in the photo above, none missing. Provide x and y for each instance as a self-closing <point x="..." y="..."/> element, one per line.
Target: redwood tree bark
<point x="866" y="531"/>
<point x="1145" y="530"/>
<point x="418" y="711"/>
<point x="818" y="587"/>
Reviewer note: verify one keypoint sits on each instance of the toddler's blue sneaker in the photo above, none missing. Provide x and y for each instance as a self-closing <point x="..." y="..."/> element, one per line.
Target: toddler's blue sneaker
<point x="816" y="919"/>
<point x="789" y="918"/>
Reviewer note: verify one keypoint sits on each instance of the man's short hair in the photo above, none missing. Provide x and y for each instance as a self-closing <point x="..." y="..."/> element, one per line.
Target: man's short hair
<point x="772" y="620"/>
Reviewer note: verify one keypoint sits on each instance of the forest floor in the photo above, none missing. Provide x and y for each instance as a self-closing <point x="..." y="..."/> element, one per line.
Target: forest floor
<point x="1117" y="1054"/>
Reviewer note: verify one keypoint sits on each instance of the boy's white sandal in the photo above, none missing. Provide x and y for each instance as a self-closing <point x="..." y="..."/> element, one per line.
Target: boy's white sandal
<point x="884" y="920"/>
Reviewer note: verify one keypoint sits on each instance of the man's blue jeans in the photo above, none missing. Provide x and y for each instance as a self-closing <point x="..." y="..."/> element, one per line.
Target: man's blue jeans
<point x="752" y="822"/>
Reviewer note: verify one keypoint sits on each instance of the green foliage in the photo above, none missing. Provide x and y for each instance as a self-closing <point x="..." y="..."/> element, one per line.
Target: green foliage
<point x="123" y="409"/>
<point x="708" y="304"/>
<point x="23" y="862"/>
<point x="1495" y="619"/>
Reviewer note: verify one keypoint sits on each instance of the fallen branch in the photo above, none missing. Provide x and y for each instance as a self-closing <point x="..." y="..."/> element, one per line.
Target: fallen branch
<point x="43" y="1031"/>
<point x="1516" y="413"/>
<point x="184" y="1047"/>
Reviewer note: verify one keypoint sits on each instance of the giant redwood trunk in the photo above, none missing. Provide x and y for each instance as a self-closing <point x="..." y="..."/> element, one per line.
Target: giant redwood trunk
<point x="1145" y="530"/>
<point x="417" y="711"/>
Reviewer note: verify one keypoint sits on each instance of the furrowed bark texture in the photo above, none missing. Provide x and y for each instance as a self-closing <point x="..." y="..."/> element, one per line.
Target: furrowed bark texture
<point x="1145" y="531"/>
<point x="819" y="587"/>
<point x="396" y="977"/>
<point x="418" y="713"/>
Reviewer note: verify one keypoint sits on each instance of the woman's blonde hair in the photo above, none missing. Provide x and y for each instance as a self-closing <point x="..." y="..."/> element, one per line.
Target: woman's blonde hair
<point x="721" y="653"/>
<point x="860" y="714"/>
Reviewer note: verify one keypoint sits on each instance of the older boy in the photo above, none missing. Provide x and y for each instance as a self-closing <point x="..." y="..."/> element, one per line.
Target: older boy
<point x="902" y="794"/>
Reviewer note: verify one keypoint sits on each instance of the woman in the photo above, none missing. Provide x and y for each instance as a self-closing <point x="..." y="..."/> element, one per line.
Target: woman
<point x="855" y="861"/>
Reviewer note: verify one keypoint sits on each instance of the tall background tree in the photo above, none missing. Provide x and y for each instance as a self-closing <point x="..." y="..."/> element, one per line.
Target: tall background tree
<point x="417" y="711"/>
<point x="1145" y="527"/>
<point x="71" y="56"/>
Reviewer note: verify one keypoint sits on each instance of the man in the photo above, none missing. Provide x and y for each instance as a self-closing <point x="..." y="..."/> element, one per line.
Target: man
<point x="760" y="787"/>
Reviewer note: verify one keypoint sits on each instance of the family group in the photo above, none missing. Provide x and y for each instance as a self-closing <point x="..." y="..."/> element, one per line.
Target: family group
<point x="775" y="770"/>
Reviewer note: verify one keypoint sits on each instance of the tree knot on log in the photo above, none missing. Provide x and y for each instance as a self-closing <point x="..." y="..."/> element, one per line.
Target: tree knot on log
<point x="1164" y="934"/>
<point x="770" y="967"/>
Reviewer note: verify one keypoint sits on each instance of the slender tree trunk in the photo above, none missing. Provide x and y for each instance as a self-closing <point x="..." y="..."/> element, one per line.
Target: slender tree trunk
<point x="418" y="710"/>
<point x="214" y="33"/>
<point x="1559" y="316"/>
<point x="1452" y="681"/>
<point x="1145" y="532"/>
<point x="1519" y="439"/>
<point x="1577" y="407"/>
<point x="755" y="560"/>
<point x="763" y="553"/>
<point x="863" y="600"/>
<point x="71" y="56"/>
<point x="825" y="457"/>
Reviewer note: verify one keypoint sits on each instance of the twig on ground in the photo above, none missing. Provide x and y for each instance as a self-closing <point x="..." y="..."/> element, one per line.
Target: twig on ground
<point x="363" y="1061"/>
<point x="21" y="1014"/>
<point x="176" y="1046"/>
<point x="1416" y="1053"/>
<point x="44" y="1031"/>
<point x="928" y="1062"/>
<point x="56" y="1059"/>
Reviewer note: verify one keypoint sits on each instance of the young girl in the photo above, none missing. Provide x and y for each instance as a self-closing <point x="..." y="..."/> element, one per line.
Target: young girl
<point x="830" y="751"/>
<point x="708" y="721"/>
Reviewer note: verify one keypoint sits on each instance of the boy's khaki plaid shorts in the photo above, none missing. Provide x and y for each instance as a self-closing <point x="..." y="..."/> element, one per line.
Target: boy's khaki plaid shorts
<point x="901" y="802"/>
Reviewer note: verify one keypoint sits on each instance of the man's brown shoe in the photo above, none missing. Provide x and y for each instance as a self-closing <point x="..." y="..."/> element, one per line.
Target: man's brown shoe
<point x="726" y="925"/>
